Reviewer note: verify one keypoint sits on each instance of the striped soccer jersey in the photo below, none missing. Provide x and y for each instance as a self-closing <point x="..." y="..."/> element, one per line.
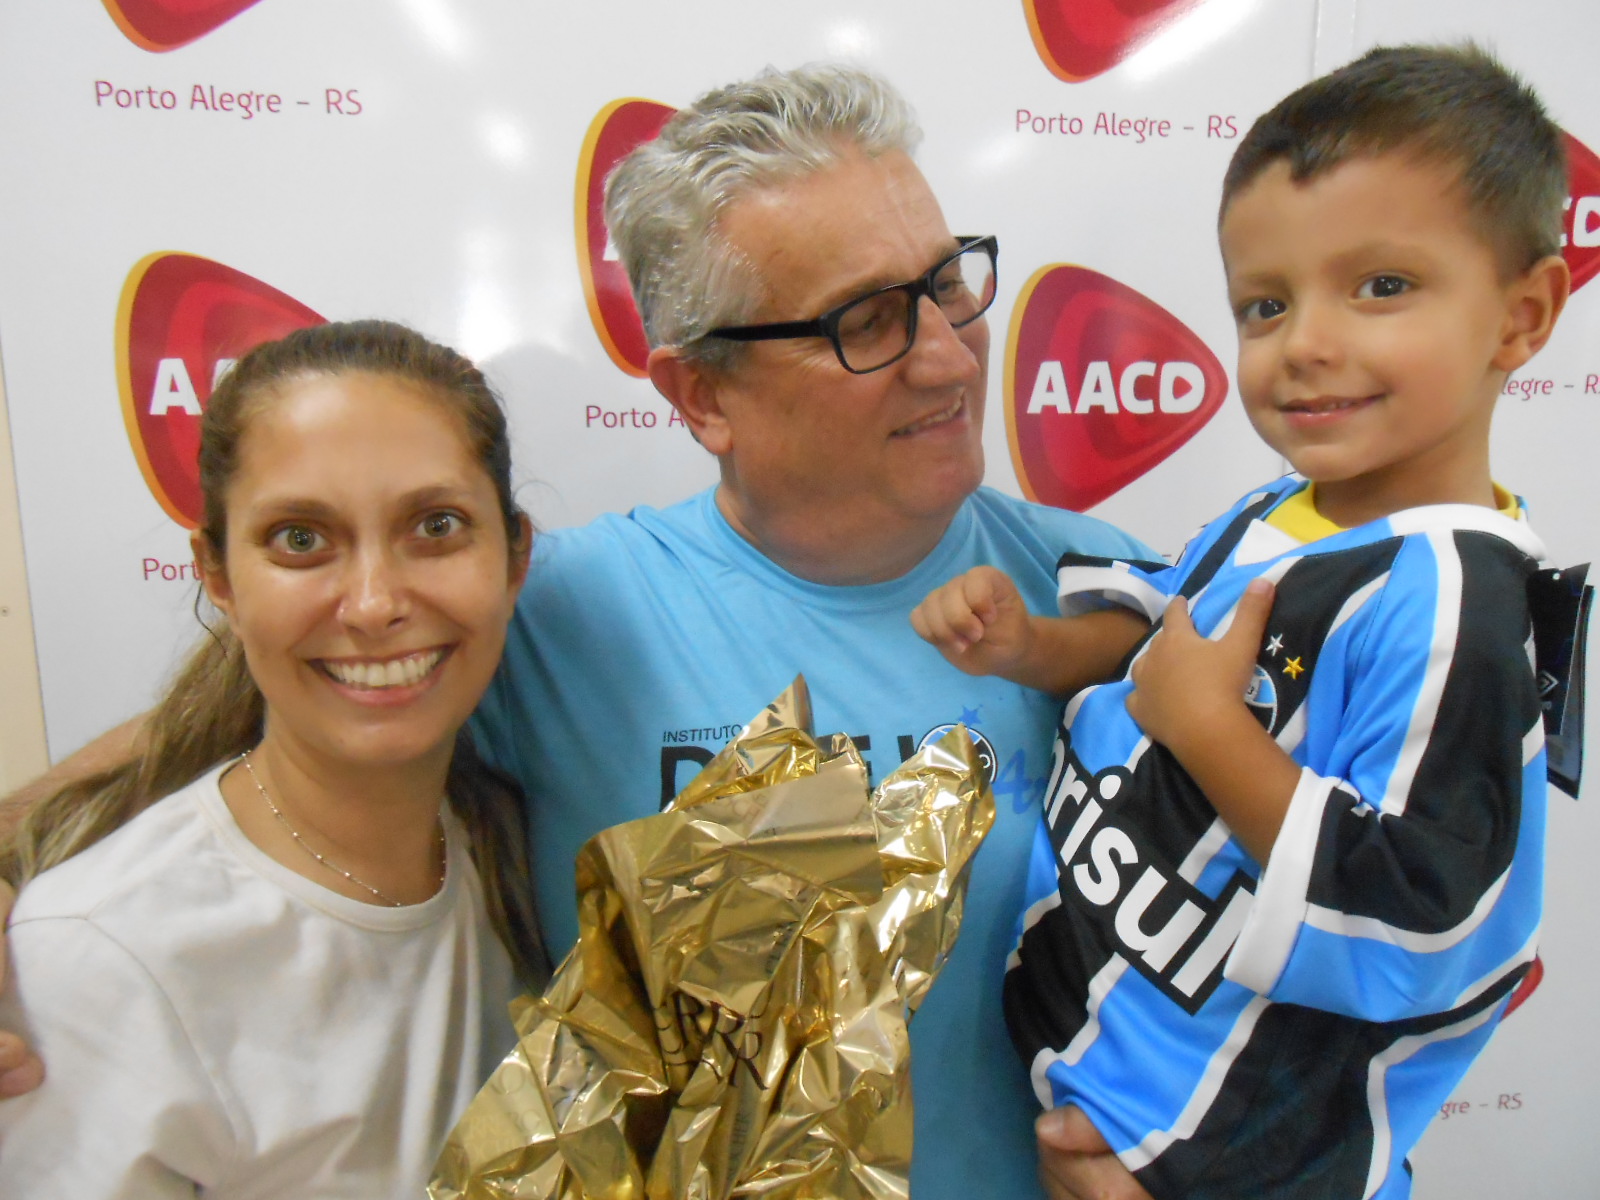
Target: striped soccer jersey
<point x="1289" y="1032"/>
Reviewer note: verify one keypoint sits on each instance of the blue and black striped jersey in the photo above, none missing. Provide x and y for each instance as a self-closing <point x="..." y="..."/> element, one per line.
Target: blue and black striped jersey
<point x="1236" y="1030"/>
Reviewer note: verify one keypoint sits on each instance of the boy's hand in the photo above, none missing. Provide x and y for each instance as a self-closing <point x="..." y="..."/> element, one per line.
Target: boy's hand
<point x="1189" y="696"/>
<point x="978" y="621"/>
<point x="1186" y="686"/>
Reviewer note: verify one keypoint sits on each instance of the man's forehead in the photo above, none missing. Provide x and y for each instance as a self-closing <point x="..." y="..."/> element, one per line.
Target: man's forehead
<point x="854" y="224"/>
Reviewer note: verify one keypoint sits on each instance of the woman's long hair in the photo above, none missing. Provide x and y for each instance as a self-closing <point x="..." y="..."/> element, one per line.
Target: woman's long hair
<point x="213" y="711"/>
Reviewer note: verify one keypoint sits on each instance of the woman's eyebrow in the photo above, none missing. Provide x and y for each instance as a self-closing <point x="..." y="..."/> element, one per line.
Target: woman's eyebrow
<point x="436" y="493"/>
<point x="309" y="508"/>
<point x="293" y="506"/>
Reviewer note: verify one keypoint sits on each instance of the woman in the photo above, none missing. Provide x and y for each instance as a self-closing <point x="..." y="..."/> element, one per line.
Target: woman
<point x="258" y="960"/>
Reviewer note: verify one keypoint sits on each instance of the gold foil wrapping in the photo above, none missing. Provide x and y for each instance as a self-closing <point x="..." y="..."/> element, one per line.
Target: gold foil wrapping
<point x="732" y="1021"/>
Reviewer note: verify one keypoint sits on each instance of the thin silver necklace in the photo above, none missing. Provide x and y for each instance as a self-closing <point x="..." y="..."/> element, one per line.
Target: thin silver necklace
<point x="323" y="859"/>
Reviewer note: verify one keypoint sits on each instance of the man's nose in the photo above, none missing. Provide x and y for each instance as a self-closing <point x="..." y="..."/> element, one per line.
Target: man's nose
<point x="938" y="356"/>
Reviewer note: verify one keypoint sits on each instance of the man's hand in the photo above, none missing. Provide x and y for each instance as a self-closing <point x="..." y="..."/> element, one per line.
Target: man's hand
<point x="1185" y="685"/>
<point x="978" y="621"/>
<point x="20" y="1070"/>
<point x="1076" y="1164"/>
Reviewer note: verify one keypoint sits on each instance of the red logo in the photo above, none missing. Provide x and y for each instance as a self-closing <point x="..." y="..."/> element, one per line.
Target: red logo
<point x="619" y="127"/>
<point x="181" y="322"/>
<point x="1101" y="385"/>
<point x="1078" y="39"/>
<point x="162" y="25"/>
<point x="1580" y="239"/>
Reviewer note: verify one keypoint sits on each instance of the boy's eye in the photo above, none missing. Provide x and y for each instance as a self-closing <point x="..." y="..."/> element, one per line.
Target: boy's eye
<point x="1382" y="287"/>
<point x="296" y="540"/>
<point x="1261" y="310"/>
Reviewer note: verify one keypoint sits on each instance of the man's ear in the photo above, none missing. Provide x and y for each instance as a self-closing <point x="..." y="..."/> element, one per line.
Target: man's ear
<point x="1534" y="302"/>
<point x="693" y="389"/>
<point x="213" y="573"/>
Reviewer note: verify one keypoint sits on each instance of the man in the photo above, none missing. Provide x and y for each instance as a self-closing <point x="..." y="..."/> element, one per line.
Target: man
<point x="770" y="232"/>
<point x="821" y="332"/>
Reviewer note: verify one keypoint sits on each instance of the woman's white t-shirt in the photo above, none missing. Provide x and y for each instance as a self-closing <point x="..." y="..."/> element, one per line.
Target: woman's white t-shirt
<point x="210" y="1021"/>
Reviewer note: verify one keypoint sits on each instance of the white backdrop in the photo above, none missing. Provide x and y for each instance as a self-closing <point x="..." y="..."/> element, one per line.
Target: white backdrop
<point x="421" y="162"/>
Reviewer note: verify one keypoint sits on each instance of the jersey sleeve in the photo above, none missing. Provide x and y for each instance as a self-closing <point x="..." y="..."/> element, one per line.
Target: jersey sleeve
<point x="1146" y="583"/>
<point x="127" y="1110"/>
<point x="1406" y="880"/>
<point x="1088" y="582"/>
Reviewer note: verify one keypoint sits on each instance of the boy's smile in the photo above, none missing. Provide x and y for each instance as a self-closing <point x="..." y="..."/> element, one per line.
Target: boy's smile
<point x="1376" y="329"/>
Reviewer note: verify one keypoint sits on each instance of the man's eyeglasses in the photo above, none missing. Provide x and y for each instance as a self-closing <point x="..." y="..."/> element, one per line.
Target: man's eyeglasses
<point x="872" y="331"/>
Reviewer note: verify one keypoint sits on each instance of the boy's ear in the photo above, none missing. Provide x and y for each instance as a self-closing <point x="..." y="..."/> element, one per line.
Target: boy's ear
<point x="213" y="573"/>
<point x="1534" y="301"/>
<point x="692" y="388"/>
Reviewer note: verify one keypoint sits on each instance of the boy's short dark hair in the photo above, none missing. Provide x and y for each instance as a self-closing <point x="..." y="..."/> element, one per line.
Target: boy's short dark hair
<point x="1447" y="104"/>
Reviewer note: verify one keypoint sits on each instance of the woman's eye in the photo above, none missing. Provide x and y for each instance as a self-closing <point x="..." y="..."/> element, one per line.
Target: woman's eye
<point x="1382" y="287"/>
<point x="297" y="539"/>
<point x="1261" y="310"/>
<point x="439" y="525"/>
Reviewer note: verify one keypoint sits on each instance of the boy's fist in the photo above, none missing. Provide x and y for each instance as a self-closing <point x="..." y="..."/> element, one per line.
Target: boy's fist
<point x="978" y="621"/>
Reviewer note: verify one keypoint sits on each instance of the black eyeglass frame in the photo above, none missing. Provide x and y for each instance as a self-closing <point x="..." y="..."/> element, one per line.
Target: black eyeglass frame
<point x="827" y="325"/>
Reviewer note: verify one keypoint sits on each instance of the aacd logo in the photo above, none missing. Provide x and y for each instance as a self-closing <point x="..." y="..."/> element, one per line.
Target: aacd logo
<point x="162" y="25"/>
<point x="1101" y="385"/>
<point x="1078" y="39"/>
<point x="182" y="321"/>
<point x="1580" y="239"/>
<point x="620" y="126"/>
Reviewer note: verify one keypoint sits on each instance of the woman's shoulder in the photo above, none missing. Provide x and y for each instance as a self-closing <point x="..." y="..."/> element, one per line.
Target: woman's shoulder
<point x="166" y="842"/>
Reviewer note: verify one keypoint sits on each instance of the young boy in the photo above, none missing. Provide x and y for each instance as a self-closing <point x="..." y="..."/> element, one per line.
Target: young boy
<point x="1291" y="862"/>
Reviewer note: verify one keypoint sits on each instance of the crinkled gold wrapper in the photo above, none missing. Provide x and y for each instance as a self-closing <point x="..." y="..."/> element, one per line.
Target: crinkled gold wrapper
<point x="732" y="1021"/>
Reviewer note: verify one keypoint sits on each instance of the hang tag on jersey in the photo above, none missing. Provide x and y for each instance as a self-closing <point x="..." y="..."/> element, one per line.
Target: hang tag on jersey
<point x="1559" y="602"/>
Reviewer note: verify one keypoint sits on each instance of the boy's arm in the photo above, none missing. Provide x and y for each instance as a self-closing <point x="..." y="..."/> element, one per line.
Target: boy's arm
<point x="1189" y="696"/>
<point x="980" y="622"/>
<point x="1402" y="866"/>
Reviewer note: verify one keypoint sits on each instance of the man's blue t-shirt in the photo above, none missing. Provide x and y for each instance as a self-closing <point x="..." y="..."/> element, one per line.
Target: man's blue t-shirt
<point x="642" y="644"/>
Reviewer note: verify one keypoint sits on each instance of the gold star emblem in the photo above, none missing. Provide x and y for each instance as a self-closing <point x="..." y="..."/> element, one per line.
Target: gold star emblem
<point x="1292" y="667"/>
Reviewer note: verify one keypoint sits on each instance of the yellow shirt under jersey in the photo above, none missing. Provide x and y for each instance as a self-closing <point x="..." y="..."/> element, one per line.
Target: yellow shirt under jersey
<point x="1298" y="516"/>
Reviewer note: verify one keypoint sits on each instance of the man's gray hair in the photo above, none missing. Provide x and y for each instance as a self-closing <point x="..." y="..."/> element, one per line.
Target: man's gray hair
<point x="663" y="200"/>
